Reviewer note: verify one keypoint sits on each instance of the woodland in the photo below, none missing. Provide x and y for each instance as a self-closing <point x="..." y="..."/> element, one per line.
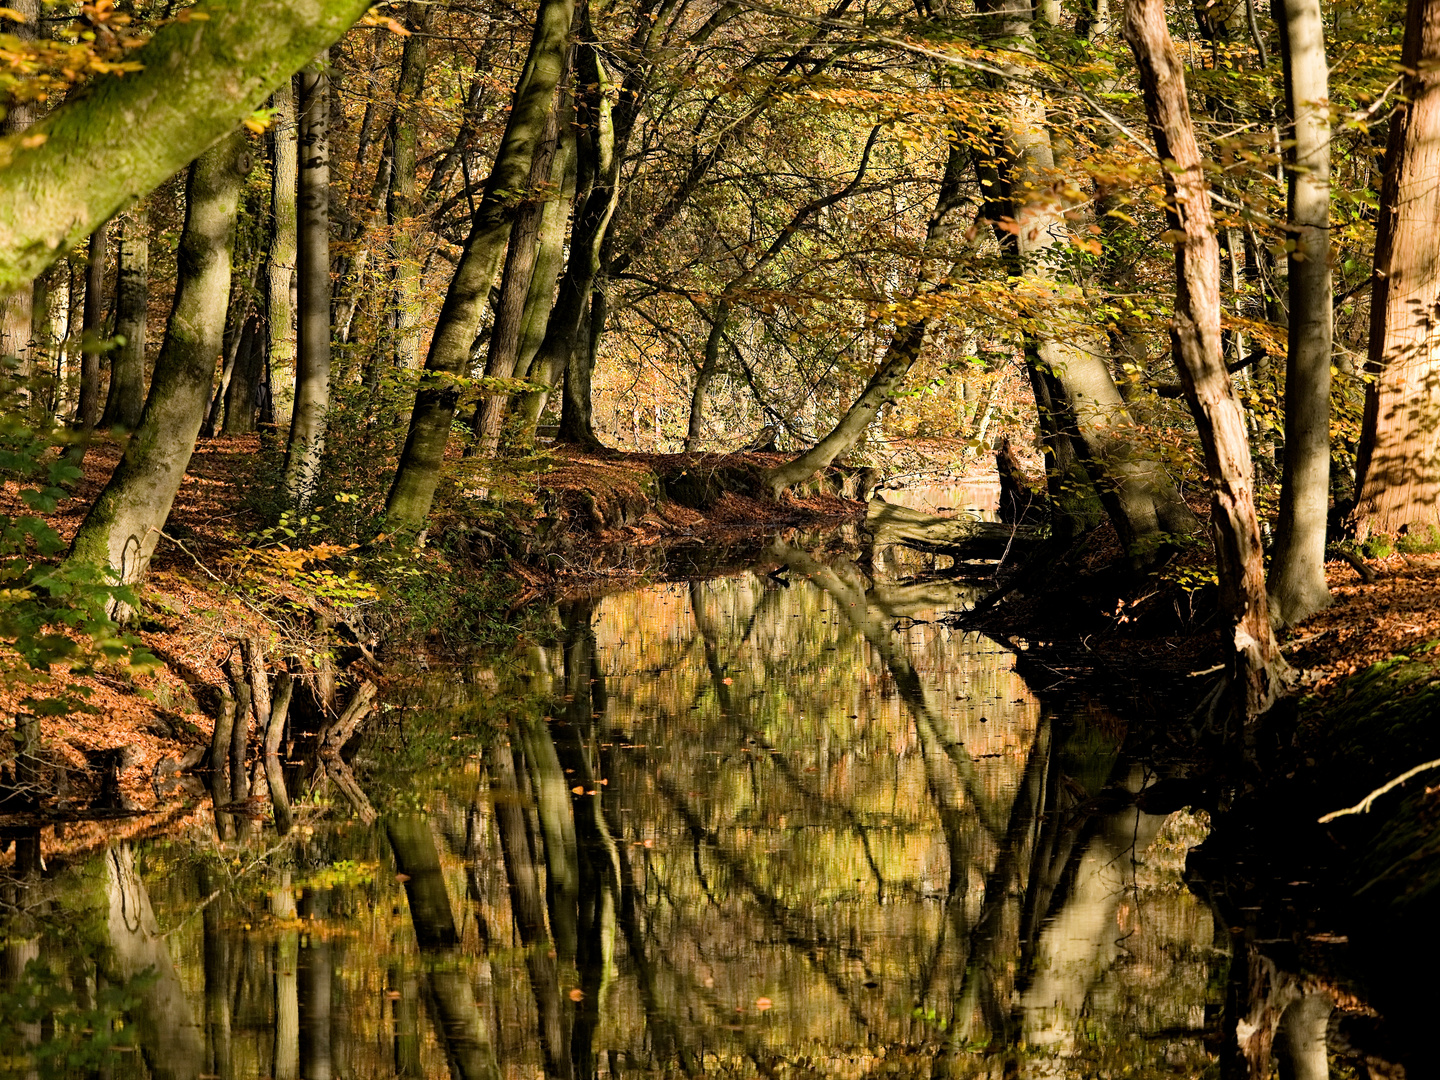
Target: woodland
<point x="336" y="333"/>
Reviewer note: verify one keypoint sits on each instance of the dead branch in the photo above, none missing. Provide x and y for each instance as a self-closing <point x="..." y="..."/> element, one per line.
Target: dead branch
<point x="1363" y="806"/>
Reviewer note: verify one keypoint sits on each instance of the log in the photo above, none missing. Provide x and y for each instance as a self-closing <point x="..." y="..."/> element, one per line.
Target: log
<point x="964" y="536"/>
<point x="338" y="734"/>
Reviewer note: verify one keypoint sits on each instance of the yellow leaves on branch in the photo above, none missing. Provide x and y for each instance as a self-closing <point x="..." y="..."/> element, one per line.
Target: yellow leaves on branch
<point x="374" y="17"/>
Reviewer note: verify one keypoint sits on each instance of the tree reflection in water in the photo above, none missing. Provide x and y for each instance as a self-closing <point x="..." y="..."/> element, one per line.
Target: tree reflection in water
<point x="739" y="826"/>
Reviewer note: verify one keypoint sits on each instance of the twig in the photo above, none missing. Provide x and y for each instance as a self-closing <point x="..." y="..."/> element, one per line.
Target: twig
<point x="1363" y="806"/>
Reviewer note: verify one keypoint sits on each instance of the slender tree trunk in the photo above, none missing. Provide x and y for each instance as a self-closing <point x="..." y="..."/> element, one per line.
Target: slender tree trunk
<point x="16" y="310"/>
<point x="280" y="260"/>
<point x="1255" y="664"/>
<point x="1398" y="464"/>
<point x="312" y="366"/>
<point x="121" y="529"/>
<point x="132" y="300"/>
<point x="87" y="409"/>
<point x="126" y="135"/>
<point x="695" y="429"/>
<point x="242" y="393"/>
<point x="406" y="253"/>
<point x="1297" y="571"/>
<point x="419" y="469"/>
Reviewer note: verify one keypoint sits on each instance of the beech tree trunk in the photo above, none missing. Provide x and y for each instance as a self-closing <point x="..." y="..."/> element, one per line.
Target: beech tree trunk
<point x="1297" y="570"/>
<point x="121" y="529"/>
<point x="126" y="397"/>
<point x="241" y="396"/>
<point x="16" y="305"/>
<point x="129" y="133"/>
<point x="418" y="472"/>
<point x="406" y="252"/>
<point x="280" y="259"/>
<point x="87" y="409"/>
<point x="312" y="360"/>
<point x="1398" y="465"/>
<point x="1255" y="664"/>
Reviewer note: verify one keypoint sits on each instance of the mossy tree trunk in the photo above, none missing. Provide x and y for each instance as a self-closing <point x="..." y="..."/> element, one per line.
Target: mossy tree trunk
<point x="418" y="472"/>
<point x="87" y="409"/>
<point x="312" y="355"/>
<point x="126" y="397"/>
<point x="121" y="529"/>
<point x="127" y="134"/>
<point x="16" y="306"/>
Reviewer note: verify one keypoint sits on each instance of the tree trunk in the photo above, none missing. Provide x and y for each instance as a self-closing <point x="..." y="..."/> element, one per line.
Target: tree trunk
<point x="1297" y="570"/>
<point x="312" y="362"/>
<point x="1255" y="665"/>
<point x="695" y="429"/>
<point x="132" y="300"/>
<point x="419" y="469"/>
<point x="16" y="305"/>
<point x="1398" y="465"/>
<point x="241" y="396"/>
<point x="87" y="409"/>
<point x="121" y="529"/>
<point x="515" y="289"/>
<point x="129" y="133"/>
<point x="406" y="251"/>
<point x="280" y="259"/>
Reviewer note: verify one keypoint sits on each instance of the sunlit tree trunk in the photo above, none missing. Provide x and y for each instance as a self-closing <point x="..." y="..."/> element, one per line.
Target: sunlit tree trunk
<point x="126" y="397"/>
<point x="1297" y="571"/>
<point x="406" y="252"/>
<point x="123" y="525"/>
<point x="1398" y="467"/>
<point x="1255" y="665"/>
<point x="418" y="472"/>
<point x="312" y="360"/>
<point x="129" y="133"/>
<point x="280" y="259"/>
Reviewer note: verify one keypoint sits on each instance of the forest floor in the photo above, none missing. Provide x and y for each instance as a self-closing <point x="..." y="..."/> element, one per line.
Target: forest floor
<point x="207" y="589"/>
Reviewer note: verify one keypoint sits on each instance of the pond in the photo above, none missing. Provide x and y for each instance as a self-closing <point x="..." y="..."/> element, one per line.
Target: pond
<point x="775" y="823"/>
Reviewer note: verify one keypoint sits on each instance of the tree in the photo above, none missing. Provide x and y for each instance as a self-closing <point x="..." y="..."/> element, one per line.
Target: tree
<point x="312" y="354"/>
<point x="1398" y="465"/>
<point x="419" y="469"/>
<point x="126" y="396"/>
<point x="280" y="258"/>
<point x="1297" y="572"/>
<point x="123" y="525"/>
<point x="1255" y="664"/>
<point x="128" y="133"/>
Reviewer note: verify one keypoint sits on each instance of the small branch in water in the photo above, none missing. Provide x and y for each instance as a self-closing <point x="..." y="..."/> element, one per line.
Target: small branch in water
<point x="1363" y="806"/>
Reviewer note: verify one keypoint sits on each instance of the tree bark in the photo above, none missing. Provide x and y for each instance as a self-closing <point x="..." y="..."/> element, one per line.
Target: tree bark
<point x="406" y="253"/>
<point x="280" y="259"/>
<point x="121" y="529"/>
<point x="418" y="472"/>
<point x="241" y="396"/>
<point x="312" y="361"/>
<point x="126" y="134"/>
<point x="126" y="397"/>
<point x="1255" y="665"/>
<point x="1398" y="464"/>
<point x="16" y="305"/>
<point x="1297" y="569"/>
<point x="87" y="409"/>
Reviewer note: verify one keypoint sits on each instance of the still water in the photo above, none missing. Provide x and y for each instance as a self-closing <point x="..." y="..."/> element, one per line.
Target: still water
<point x="768" y="824"/>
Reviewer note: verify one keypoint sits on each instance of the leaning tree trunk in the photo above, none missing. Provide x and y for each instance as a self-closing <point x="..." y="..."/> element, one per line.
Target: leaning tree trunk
<point x="1397" y="481"/>
<point x="129" y="133"/>
<point x="312" y="360"/>
<point x="280" y="259"/>
<point x="120" y="531"/>
<point x="1255" y="664"/>
<point x="418" y="472"/>
<point x="132" y="300"/>
<point x="1297" y="570"/>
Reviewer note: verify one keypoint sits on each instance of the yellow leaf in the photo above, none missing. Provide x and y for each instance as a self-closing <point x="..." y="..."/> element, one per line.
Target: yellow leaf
<point x="12" y="15"/>
<point x="30" y="142"/>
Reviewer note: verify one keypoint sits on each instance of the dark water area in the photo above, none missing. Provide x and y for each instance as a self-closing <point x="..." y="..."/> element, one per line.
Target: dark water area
<point x="783" y="823"/>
